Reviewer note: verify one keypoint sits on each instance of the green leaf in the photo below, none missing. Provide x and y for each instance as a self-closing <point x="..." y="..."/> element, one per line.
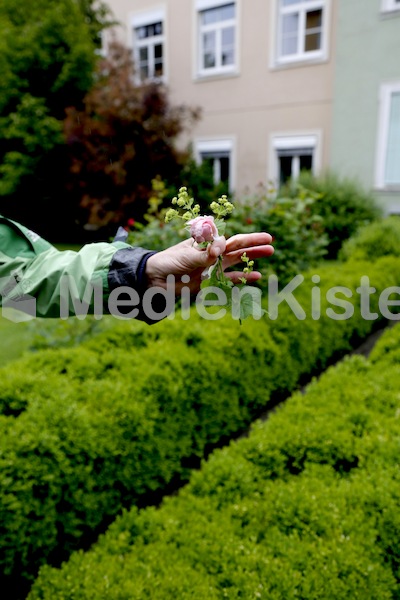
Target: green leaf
<point x="247" y="303"/>
<point x="220" y="225"/>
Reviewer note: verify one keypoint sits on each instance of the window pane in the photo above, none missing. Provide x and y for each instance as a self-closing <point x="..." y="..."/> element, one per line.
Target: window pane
<point x="209" y="50"/>
<point x="289" y="46"/>
<point x="144" y="72"/>
<point x="227" y="57"/>
<point x="158" y="60"/>
<point x="158" y="69"/>
<point x="219" y="13"/>
<point x="209" y="60"/>
<point x="224" y="162"/>
<point x="290" y="24"/>
<point x="209" y="41"/>
<point x="228" y="36"/>
<point x="306" y="162"/>
<point x="313" y="31"/>
<point x="209" y="16"/>
<point x="149" y="30"/>
<point x="285" y="169"/>
<point x="143" y="54"/>
<point x="227" y="12"/>
<point x="313" y="42"/>
<point x="313" y="19"/>
<point x="158" y="51"/>
<point x="228" y="39"/>
<point x="289" y="42"/>
<point x="392" y="168"/>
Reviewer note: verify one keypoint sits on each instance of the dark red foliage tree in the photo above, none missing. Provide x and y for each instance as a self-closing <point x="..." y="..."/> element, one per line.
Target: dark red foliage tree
<point x="125" y="136"/>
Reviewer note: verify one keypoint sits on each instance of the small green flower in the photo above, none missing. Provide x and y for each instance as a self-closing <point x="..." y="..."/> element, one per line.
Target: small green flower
<point x="170" y="215"/>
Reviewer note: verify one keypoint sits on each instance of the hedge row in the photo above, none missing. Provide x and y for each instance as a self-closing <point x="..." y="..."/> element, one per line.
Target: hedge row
<point x="87" y="431"/>
<point x="305" y="507"/>
<point x="380" y="238"/>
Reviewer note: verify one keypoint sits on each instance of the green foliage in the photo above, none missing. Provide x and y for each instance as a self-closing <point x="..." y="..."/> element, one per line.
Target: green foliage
<point x="342" y="205"/>
<point x="299" y="238"/>
<point x="32" y="132"/>
<point x="47" y="58"/>
<point x="89" y="430"/>
<point x="305" y="507"/>
<point x="47" y="52"/>
<point x="45" y="333"/>
<point x="381" y="238"/>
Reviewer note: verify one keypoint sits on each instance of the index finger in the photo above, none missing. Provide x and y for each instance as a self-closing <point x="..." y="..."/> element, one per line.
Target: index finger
<point x="246" y="240"/>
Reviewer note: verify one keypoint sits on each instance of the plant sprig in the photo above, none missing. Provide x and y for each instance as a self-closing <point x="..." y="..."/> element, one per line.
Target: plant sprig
<point x="186" y="209"/>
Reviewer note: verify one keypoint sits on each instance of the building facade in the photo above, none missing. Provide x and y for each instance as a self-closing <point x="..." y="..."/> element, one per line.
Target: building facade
<point x="262" y="72"/>
<point x="366" y="107"/>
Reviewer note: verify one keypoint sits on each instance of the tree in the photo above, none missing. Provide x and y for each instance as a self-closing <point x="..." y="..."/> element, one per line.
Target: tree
<point x="47" y="59"/>
<point x="120" y="141"/>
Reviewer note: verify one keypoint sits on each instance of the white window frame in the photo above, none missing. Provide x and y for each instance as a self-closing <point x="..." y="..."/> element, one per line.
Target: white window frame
<point x="200" y="71"/>
<point x="385" y="98"/>
<point x="302" y="7"/>
<point x="210" y="145"/>
<point x="293" y="141"/>
<point x="390" y="6"/>
<point x="143" y="19"/>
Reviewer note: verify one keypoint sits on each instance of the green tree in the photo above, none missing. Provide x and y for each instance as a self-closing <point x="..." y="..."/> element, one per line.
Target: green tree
<point x="47" y="59"/>
<point x="120" y="141"/>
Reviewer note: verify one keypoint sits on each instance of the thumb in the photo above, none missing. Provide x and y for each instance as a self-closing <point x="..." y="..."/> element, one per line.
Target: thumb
<point x="217" y="248"/>
<point x="214" y="250"/>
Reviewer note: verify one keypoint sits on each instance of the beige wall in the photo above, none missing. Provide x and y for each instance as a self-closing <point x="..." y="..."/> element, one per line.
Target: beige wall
<point x="259" y="100"/>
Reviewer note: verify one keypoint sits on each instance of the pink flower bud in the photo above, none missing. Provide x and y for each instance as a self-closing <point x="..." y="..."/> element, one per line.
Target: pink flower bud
<point x="203" y="229"/>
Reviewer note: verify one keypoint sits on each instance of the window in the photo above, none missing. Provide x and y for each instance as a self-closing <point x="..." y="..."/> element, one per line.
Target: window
<point x="301" y="30"/>
<point x="390" y="5"/>
<point x="388" y="150"/>
<point x="148" y="44"/>
<point x="217" y="37"/>
<point x="291" y="155"/>
<point x="218" y="153"/>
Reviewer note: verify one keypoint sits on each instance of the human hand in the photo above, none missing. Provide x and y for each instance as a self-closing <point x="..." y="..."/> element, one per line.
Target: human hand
<point x="187" y="259"/>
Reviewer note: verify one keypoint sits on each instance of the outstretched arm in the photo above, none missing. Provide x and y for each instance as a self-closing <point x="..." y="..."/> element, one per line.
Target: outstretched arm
<point x="31" y="268"/>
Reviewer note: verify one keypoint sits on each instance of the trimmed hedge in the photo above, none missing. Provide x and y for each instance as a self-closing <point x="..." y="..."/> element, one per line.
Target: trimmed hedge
<point x="87" y="431"/>
<point x="305" y="507"/>
<point x="381" y="238"/>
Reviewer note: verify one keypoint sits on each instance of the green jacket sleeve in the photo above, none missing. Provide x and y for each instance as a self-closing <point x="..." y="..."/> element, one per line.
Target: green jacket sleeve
<point x="41" y="281"/>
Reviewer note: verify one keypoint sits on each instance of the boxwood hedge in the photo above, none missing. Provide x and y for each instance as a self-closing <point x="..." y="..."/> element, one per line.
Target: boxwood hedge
<point x="305" y="507"/>
<point x="90" y="430"/>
